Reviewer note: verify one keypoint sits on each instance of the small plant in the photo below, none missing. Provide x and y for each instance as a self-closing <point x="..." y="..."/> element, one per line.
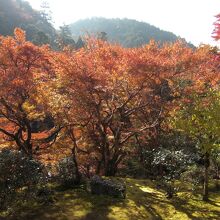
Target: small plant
<point x="173" y="164"/>
<point x="67" y="175"/>
<point x="194" y="175"/>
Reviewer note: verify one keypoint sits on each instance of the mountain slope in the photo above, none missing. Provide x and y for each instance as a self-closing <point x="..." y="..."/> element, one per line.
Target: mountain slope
<point x="127" y="32"/>
<point x="19" y="13"/>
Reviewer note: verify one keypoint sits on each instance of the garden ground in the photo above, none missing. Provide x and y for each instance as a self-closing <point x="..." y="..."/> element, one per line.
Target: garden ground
<point x="144" y="201"/>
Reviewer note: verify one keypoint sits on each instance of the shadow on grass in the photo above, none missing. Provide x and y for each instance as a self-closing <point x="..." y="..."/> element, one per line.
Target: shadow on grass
<point x="143" y="202"/>
<point x="180" y="207"/>
<point x="70" y="205"/>
<point x="80" y="205"/>
<point x="197" y="209"/>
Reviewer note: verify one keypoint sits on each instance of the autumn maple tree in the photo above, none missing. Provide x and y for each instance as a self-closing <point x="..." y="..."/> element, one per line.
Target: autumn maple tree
<point x="111" y="95"/>
<point x="105" y="98"/>
<point x="24" y="69"/>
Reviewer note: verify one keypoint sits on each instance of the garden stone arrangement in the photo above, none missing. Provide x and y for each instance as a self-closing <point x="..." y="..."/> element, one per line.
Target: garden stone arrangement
<point x="109" y="187"/>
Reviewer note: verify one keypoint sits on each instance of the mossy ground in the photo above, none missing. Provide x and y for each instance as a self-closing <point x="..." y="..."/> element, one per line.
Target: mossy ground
<point x="144" y="202"/>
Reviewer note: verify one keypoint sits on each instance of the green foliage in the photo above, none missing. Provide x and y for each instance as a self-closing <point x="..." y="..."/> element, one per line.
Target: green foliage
<point x="216" y="163"/>
<point x="193" y="176"/>
<point x="200" y="120"/>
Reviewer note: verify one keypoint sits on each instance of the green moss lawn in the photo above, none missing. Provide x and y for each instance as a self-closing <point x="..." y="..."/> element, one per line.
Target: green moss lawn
<point x="144" y="202"/>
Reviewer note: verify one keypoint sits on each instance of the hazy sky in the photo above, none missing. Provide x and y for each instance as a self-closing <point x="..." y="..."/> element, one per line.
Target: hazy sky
<point x="191" y="19"/>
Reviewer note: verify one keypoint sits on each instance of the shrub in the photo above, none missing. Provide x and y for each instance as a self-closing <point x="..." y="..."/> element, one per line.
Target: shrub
<point x="173" y="164"/>
<point x="45" y="195"/>
<point x="18" y="171"/>
<point x="67" y="173"/>
<point x="101" y="186"/>
<point x="194" y="176"/>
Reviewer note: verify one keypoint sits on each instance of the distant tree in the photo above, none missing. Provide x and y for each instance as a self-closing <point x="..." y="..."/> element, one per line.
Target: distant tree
<point x="64" y="37"/>
<point x="80" y="43"/>
<point x="102" y="36"/>
<point x="45" y="11"/>
<point x="216" y="32"/>
<point x="41" y="38"/>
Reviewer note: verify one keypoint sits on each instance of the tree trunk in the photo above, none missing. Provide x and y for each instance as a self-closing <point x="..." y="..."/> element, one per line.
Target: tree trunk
<point x="111" y="168"/>
<point x="78" y="176"/>
<point x="206" y="178"/>
<point x="112" y="165"/>
<point x="98" y="167"/>
<point x="110" y="171"/>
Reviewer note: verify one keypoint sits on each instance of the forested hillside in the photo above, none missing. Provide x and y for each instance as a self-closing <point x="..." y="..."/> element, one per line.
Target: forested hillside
<point x="22" y="15"/>
<point x="39" y="30"/>
<point x="127" y="32"/>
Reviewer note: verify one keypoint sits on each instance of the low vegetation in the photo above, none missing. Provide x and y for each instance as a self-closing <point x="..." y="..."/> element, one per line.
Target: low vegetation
<point x="145" y="200"/>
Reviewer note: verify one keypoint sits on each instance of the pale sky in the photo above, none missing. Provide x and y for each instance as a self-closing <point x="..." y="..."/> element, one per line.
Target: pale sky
<point x="190" y="19"/>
